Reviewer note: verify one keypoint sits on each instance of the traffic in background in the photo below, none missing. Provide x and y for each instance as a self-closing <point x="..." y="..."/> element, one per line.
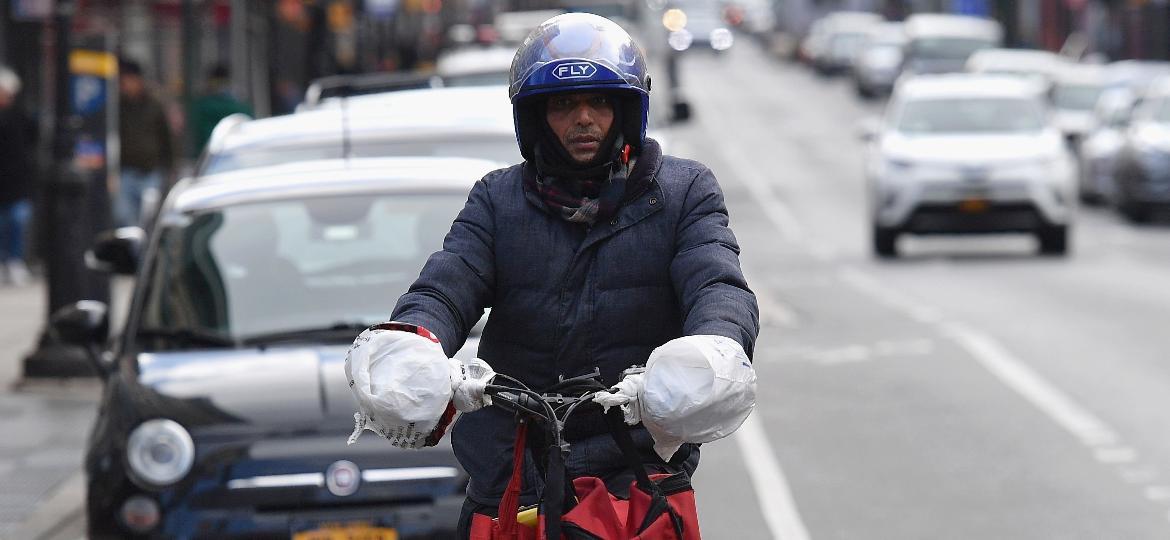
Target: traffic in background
<point x="953" y="214"/>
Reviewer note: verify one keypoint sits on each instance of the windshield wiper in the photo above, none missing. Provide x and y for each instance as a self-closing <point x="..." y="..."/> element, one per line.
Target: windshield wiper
<point x="191" y="336"/>
<point x="341" y="330"/>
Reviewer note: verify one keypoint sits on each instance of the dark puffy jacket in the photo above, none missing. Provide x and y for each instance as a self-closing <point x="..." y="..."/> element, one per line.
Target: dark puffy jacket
<point x="566" y="299"/>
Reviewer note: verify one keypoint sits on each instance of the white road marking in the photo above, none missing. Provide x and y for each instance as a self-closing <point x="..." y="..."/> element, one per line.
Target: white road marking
<point x="1139" y="475"/>
<point x="1016" y="375"/>
<point x="772" y="491"/>
<point x="1158" y="493"/>
<point x="1115" y="456"/>
<point x="888" y="296"/>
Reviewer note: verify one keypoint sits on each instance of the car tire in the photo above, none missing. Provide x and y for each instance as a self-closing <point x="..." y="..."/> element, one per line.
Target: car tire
<point x="885" y="242"/>
<point x="1053" y="240"/>
<point x="864" y="92"/>
<point x="1134" y="212"/>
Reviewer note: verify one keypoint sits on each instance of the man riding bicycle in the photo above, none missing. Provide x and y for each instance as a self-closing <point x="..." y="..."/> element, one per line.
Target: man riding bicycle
<point x="595" y="252"/>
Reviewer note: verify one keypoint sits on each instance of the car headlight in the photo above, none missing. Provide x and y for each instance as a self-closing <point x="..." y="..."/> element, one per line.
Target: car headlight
<point x="721" y="39"/>
<point x="680" y="40"/>
<point x="160" y="452"/>
<point x="898" y="166"/>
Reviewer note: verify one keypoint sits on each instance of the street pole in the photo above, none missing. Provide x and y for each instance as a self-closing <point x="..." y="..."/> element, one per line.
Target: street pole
<point x="68" y="224"/>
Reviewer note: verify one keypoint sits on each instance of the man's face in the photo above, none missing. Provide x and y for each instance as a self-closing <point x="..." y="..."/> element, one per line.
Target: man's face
<point x="130" y="85"/>
<point x="580" y="121"/>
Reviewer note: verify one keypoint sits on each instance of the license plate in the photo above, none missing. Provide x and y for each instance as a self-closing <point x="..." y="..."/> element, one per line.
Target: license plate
<point x="973" y="205"/>
<point x="347" y="532"/>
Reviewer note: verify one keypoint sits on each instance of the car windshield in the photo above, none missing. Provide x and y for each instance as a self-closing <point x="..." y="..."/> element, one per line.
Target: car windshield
<point x="968" y="115"/>
<point x="1077" y="97"/>
<point x="500" y="148"/>
<point x="269" y="268"/>
<point x="846" y="44"/>
<point x="1157" y="110"/>
<point x="946" y="48"/>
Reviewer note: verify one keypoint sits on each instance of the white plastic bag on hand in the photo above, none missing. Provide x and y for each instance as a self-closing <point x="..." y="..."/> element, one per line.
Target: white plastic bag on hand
<point x="468" y="382"/>
<point x="696" y="389"/>
<point x="402" y="383"/>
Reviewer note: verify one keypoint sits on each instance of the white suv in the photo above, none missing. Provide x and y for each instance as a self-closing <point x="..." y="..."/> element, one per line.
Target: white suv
<point x="969" y="154"/>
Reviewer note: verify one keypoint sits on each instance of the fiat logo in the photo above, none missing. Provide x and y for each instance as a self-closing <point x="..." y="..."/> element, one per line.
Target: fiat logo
<point x="343" y="478"/>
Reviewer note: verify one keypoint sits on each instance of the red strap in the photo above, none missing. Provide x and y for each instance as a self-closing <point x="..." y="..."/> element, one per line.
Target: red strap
<point x="510" y="504"/>
<point x="625" y="154"/>
<point x="406" y="327"/>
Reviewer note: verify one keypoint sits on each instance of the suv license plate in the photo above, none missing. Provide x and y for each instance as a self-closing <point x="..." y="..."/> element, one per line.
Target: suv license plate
<point x="973" y="205"/>
<point x="349" y="532"/>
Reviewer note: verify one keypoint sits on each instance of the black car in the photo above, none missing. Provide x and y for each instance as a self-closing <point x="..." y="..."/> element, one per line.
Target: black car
<point x="225" y="410"/>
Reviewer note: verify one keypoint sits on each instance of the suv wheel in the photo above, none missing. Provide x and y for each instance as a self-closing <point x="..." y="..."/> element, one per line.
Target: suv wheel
<point x="1134" y="212"/>
<point x="1053" y="240"/>
<point x="885" y="242"/>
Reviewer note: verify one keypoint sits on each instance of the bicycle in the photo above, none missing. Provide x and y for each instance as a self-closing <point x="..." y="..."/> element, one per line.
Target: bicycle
<point x="662" y="505"/>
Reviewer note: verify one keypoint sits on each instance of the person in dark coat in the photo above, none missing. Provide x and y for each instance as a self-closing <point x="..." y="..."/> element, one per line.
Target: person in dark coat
<point x="17" y="180"/>
<point x="214" y="105"/>
<point x="593" y="253"/>
<point x="148" y="150"/>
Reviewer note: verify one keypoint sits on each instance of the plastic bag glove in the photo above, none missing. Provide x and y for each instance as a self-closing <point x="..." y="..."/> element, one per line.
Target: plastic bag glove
<point x="625" y="395"/>
<point x="468" y="382"/>
<point x="402" y="382"/>
<point x="696" y="389"/>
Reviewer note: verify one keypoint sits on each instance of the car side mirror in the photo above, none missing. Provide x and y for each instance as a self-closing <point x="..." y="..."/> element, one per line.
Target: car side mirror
<point x="680" y="112"/>
<point x="84" y="324"/>
<point x="868" y="129"/>
<point x="118" y="251"/>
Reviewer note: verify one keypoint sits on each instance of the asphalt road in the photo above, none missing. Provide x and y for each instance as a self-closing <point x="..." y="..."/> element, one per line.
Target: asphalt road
<point x="967" y="390"/>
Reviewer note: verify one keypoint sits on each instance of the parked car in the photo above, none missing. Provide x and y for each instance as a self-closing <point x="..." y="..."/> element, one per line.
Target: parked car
<point x="1125" y="83"/>
<point x="1142" y="169"/>
<point x="475" y="66"/>
<point x="338" y="86"/>
<point x="225" y="411"/>
<point x="1099" y="148"/>
<point x="968" y="154"/>
<point x="473" y="122"/>
<point x="938" y="43"/>
<point x="876" y="67"/>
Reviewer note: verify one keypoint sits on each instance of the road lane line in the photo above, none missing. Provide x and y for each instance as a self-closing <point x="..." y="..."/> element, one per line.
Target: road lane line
<point x="772" y="491"/>
<point x="1019" y="377"/>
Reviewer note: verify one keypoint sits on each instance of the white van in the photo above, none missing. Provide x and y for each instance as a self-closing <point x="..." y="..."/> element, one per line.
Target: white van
<point x="937" y="43"/>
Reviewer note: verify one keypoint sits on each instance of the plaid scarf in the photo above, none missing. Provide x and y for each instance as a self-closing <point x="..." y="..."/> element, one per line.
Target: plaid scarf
<point x="594" y="194"/>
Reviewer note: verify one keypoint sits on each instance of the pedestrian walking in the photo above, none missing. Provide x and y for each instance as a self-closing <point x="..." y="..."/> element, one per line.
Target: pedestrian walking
<point x="147" y="156"/>
<point x="17" y="180"/>
<point x="214" y="105"/>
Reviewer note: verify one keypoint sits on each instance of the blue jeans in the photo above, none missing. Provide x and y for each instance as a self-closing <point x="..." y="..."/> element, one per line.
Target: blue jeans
<point x="13" y="222"/>
<point x="133" y="185"/>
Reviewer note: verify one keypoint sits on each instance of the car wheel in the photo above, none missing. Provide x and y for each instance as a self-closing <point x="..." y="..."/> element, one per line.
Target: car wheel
<point x="1134" y="212"/>
<point x="1053" y="240"/>
<point x="885" y="242"/>
<point x="864" y="92"/>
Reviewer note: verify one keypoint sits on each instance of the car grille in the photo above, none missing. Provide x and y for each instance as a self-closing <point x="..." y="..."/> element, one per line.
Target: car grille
<point x="946" y="218"/>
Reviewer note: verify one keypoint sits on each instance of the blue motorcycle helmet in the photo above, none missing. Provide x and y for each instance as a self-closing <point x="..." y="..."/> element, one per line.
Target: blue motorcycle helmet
<point x="578" y="52"/>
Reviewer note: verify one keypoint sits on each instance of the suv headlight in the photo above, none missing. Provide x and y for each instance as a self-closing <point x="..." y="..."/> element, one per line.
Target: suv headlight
<point x="160" y="452"/>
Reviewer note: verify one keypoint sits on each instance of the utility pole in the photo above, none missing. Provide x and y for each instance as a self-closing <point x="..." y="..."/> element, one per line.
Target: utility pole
<point x="70" y="219"/>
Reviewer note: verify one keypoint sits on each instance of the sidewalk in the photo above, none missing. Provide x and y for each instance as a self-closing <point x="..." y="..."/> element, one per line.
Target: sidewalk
<point x="44" y="425"/>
